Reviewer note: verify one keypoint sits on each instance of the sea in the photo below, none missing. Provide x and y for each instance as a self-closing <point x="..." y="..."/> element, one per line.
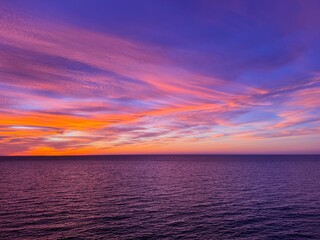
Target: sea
<point x="160" y="197"/>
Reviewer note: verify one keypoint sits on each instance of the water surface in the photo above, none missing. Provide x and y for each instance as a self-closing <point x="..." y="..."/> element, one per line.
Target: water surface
<point x="160" y="197"/>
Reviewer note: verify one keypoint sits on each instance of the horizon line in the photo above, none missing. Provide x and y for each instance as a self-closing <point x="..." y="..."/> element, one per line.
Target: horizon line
<point x="168" y="154"/>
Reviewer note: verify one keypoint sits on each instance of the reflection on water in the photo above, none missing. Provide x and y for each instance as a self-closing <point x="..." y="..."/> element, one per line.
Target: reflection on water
<point x="168" y="197"/>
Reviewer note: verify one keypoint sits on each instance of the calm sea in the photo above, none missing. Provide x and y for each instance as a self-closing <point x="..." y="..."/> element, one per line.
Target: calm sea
<point x="160" y="197"/>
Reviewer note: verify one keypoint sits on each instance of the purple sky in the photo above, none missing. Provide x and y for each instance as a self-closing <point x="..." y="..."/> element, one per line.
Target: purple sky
<point x="145" y="76"/>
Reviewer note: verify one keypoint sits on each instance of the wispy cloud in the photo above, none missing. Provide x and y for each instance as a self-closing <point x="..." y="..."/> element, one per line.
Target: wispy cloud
<point x="71" y="90"/>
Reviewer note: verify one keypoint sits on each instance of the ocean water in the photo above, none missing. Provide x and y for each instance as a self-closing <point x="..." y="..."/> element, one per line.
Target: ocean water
<point x="160" y="197"/>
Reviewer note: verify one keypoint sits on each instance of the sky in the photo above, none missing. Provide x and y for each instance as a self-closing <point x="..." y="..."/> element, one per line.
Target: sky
<point x="159" y="77"/>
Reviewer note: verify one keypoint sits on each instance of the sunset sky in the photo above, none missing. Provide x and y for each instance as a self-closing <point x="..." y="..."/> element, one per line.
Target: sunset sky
<point x="166" y="76"/>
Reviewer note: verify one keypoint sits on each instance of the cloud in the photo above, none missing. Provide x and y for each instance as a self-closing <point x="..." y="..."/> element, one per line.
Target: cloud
<point x="70" y="90"/>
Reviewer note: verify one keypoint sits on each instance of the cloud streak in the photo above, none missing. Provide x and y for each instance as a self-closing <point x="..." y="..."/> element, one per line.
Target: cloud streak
<point x="66" y="89"/>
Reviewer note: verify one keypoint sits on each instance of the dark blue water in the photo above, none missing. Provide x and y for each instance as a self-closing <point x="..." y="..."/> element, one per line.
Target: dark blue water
<point x="160" y="197"/>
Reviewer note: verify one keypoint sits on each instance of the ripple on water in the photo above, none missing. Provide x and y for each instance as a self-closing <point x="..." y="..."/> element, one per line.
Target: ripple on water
<point x="167" y="197"/>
